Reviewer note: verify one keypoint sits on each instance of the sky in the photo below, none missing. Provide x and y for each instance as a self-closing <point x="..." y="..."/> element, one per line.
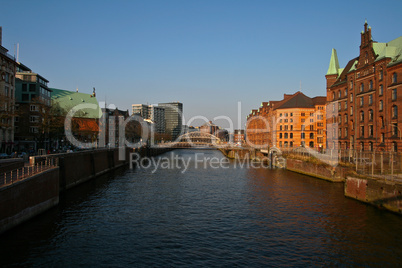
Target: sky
<point x="219" y="58"/>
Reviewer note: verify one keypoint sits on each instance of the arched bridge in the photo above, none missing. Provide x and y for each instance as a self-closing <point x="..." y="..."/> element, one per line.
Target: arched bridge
<point x="194" y="140"/>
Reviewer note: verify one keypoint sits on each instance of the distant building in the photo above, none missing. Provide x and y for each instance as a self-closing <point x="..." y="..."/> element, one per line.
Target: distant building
<point x="117" y="115"/>
<point x="173" y="118"/>
<point x="239" y="136"/>
<point x="33" y="103"/>
<point x="151" y="112"/>
<point x="85" y="123"/>
<point x="7" y="99"/>
<point x="295" y="121"/>
<point x="364" y="97"/>
<point x="209" y="127"/>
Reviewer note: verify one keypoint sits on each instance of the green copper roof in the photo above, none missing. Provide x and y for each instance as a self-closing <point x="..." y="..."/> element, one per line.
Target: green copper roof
<point x="392" y="49"/>
<point x="333" y="63"/>
<point x="69" y="99"/>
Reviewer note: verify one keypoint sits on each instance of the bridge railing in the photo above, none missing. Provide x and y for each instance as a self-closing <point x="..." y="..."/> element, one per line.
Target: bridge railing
<point x="13" y="176"/>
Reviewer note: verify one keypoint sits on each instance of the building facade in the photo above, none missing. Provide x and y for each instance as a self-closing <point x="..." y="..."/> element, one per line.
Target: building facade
<point x="33" y="102"/>
<point x="364" y="97"/>
<point x="173" y="118"/>
<point x="295" y="121"/>
<point x="151" y="112"/>
<point x="238" y="136"/>
<point x="7" y="99"/>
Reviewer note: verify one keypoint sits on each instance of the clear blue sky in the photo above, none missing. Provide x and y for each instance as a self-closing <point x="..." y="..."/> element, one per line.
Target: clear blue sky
<point x="206" y="54"/>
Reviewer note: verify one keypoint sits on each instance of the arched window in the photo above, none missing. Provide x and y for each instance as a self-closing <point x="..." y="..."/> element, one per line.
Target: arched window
<point x="286" y="135"/>
<point x="291" y="144"/>
<point x="380" y="105"/>
<point x="361" y="116"/>
<point x="394" y="94"/>
<point x="291" y="135"/>
<point x="371" y="115"/>
<point x="381" y="121"/>
<point x="280" y="135"/>
<point x="311" y="135"/>
<point x="381" y="91"/>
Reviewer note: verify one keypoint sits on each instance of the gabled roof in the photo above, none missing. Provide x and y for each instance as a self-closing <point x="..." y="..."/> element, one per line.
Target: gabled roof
<point x="69" y="99"/>
<point x="392" y="49"/>
<point x="299" y="100"/>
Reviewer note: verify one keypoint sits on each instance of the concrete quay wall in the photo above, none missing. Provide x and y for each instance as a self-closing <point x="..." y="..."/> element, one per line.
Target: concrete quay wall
<point x="325" y="172"/>
<point x="378" y="192"/>
<point x="27" y="198"/>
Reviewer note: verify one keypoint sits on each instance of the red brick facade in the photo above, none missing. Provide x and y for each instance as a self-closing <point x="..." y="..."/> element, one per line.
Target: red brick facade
<point x="295" y="121"/>
<point x="364" y="98"/>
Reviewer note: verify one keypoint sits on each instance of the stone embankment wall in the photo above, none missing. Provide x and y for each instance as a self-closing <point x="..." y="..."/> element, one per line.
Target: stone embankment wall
<point x="378" y="192"/>
<point x="27" y="198"/>
<point x="321" y="171"/>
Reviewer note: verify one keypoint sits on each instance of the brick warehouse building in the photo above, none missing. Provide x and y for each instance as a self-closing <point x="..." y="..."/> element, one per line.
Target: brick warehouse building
<point x="364" y="97"/>
<point x="295" y="121"/>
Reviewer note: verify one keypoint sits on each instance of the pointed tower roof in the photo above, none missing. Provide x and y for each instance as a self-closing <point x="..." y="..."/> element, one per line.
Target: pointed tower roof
<point x="333" y="63"/>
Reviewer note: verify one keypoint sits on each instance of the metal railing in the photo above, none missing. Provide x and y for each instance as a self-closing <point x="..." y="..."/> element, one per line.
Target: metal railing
<point x="13" y="176"/>
<point x="378" y="164"/>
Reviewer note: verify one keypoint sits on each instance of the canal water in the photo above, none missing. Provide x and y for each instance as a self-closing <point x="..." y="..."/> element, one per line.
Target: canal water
<point x="214" y="213"/>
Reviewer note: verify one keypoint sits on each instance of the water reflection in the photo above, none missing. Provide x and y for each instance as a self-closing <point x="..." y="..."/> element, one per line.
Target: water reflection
<point x="248" y="217"/>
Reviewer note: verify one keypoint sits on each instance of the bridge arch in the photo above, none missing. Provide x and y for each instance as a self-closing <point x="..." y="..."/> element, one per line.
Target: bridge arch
<point x="199" y="138"/>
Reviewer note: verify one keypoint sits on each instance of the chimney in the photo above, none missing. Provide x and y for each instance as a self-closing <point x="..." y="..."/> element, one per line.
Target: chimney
<point x="1" y="32"/>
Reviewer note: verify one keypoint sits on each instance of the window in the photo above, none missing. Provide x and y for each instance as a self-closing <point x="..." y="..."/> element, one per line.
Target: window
<point x="291" y="114"/>
<point x="380" y="105"/>
<point x="286" y="114"/>
<point x="346" y="93"/>
<point x="280" y="115"/>
<point x="394" y="78"/>
<point x="32" y="87"/>
<point x="371" y="115"/>
<point x="24" y="87"/>
<point x="286" y="127"/>
<point x="333" y="95"/>
<point x="280" y="135"/>
<point x="339" y="106"/>
<point x="339" y="132"/>
<point x="394" y="146"/>
<point x="361" y="87"/>
<point x="25" y="97"/>
<point x="340" y="94"/>
<point x="303" y="135"/>
<point x="381" y="75"/>
<point x="303" y="114"/>
<point x="362" y="131"/>
<point x="16" y="119"/>
<point x="394" y="94"/>
<point x="33" y="108"/>
<point x="361" y="116"/>
<point x="311" y="120"/>
<point x="394" y="111"/>
<point x="351" y="111"/>
<point x="280" y="144"/>
<point x="371" y="130"/>
<point x="340" y="119"/>
<point x="311" y="135"/>
<point x="371" y="85"/>
<point x="381" y="91"/>
<point x="382" y="121"/>
<point x="291" y="135"/>
<point x="311" y="127"/>
<point x="286" y="135"/>
<point x="370" y="146"/>
<point x="346" y="118"/>
<point x="303" y="120"/>
<point x="291" y="127"/>
<point x="361" y="101"/>
<point x="346" y="132"/>
<point x="370" y="99"/>
<point x="394" y="129"/>
<point x="351" y="84"/>
<point x="351" y="97"/>
<point x="382" y="137"/>
<point x="33" y="130"/>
